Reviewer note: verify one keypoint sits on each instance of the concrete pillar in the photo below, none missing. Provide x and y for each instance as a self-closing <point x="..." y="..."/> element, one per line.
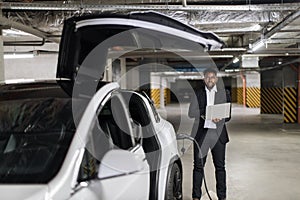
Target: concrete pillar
<point x="241" y="89"/>
<point x="271" y="101"/>
<point x="161" y="93"/>
<point x="133" y="79"/>
<point x="253" y="90"/>
<point x="298" y="84"/>
<point x="145" y="81"/>
<point x="290" y="95"/>
<point x="108" y="71"/>
<point x="155" y="89"/>
<point x="2" y="76"/>
<point x="234" y="89"/>
<point x="123" y="72"/>
<point x="168" y="90"/>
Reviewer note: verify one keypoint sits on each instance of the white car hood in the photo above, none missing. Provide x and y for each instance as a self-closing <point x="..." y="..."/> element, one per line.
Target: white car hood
<point x="24" y="192"/>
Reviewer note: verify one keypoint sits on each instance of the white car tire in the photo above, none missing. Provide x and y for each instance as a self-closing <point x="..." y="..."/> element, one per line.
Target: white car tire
<point x="174" y="184"/>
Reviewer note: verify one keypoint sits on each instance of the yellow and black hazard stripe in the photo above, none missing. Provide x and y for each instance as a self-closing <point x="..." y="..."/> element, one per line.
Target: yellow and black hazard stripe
<point x="234" y="95"/>
<point x="167" y="94"/>
<point x="155" y="96"/>
<point x="253" y="97"/>
<point x="240" y="98"/>
<point x="290" y="105"/>
<point x="271" y="100"/>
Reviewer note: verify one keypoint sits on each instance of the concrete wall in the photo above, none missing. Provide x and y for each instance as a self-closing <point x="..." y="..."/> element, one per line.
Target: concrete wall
<point x="239" y="82"/>
<point x="2" y="75"/>
<point x="253" y="90"/>
<point x="289" y="77"/>
<point x="285" y="77"/>
<point x="233" y="89"/>
<point x="290" y="91"/>
<point x="133" y="79"/>
<point x="279" y="93"/>
<point x="41" y="66"/>
<point x="253" y="80"/>
<point x="271" y="78"/>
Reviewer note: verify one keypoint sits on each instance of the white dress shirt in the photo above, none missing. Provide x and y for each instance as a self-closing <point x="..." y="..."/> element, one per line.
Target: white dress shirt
<point x="210" y="98"/>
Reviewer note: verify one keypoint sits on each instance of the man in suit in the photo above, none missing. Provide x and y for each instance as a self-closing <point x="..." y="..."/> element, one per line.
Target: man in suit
<point x="209" y="134"/>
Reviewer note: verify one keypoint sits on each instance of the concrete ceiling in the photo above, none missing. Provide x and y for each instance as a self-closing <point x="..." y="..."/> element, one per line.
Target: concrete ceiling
<point x="268" y="30"/>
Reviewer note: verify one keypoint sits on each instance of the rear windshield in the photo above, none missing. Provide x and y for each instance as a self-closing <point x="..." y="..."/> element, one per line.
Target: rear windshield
<point x="35" y="135"/>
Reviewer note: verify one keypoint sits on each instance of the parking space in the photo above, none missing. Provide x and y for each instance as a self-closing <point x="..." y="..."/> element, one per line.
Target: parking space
<point x="263" y="156"/>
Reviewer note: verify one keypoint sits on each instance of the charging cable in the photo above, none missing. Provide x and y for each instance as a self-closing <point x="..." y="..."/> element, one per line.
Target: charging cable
<point x="185" y="136"/>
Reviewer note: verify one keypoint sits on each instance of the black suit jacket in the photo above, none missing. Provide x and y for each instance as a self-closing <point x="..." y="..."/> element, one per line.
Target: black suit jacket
<point x="198" y="109"/>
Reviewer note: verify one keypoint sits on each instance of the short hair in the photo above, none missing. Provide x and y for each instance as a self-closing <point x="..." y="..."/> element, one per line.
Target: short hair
<point x="209" y="70"/>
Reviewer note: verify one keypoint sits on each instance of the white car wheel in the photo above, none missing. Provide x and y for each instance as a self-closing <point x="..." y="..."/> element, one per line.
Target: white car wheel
<point x="174" y="184"/>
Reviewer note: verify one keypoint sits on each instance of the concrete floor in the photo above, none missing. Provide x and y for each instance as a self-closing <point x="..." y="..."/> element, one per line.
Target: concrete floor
<point x="263" y="155"/>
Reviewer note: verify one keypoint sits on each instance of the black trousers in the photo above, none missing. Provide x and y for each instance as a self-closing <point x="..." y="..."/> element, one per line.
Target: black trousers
<point x="212" y="142"/>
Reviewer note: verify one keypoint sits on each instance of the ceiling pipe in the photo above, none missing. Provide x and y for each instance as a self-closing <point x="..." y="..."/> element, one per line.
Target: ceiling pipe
<point x="8" y="23"/>
<point x="282" y="24"/>
<point x="99" y="7"/>
<point x="25" y="43"/>
<point x="275" y="29"/>
<point x="286" y="64"/>
<point x="264" y="37"/>
<point x="297" y="60"/>
<point x="35" y="52"/>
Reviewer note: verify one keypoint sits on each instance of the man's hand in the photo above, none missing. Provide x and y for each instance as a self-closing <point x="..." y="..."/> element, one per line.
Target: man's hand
<point x="215" y="120"/>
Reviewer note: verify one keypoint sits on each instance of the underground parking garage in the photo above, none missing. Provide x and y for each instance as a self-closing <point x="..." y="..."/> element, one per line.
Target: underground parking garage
<point x="97" y="95"/>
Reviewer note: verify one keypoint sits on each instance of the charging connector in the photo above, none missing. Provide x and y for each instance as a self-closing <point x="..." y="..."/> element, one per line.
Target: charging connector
<point x="188" y="137"/>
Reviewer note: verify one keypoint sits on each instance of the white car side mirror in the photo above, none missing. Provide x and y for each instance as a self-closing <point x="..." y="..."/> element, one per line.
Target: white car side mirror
<point x="119" y="163"/>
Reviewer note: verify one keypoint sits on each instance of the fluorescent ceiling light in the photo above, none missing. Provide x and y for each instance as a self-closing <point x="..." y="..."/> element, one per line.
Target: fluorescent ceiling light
<point x="235" y="60"/>
<point x="229" y="70"/>
<point x="255" y="27"/>
<point x="18" y="55"/>
<point x="258" y="45"/>
<point x="229" y="49"/>
<point x="185" y="77"/>
<point x="12" y="81"/>
<point x="15" y="32"/>
<point x="218" y="56"/>
<point x="232" y="70"/>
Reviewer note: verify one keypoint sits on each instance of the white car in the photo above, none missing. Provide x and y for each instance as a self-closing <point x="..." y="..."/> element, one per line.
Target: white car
<point x="82" y="138"/>
<point x="120" y="149"/>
